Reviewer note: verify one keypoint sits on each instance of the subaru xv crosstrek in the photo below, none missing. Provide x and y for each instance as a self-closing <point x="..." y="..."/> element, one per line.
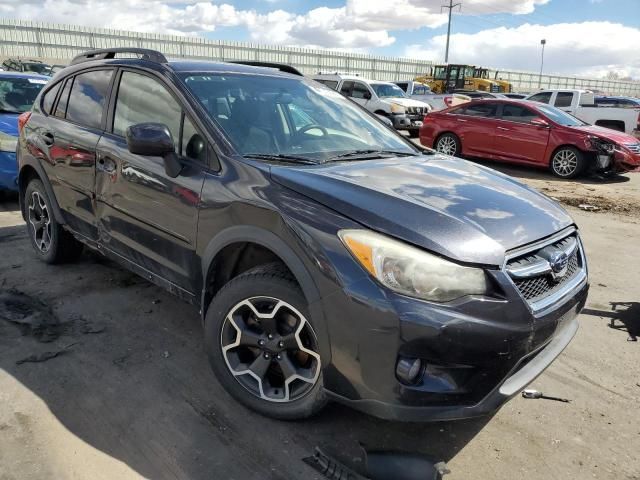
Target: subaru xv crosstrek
<point x="330" y="257"/>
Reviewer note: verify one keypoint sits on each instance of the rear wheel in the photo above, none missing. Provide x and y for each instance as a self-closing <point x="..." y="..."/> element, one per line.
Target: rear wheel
<point x="51" y="242"/>
<point x="567" y="162"/>
<point x="262" y="347"/>
<point x="449" y="144"/>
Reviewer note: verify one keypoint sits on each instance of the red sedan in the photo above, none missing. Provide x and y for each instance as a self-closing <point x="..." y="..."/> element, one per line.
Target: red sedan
<point x="529" y="133"/>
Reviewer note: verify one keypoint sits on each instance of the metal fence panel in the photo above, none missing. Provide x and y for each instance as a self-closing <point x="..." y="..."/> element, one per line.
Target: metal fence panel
<point x="59" y="43"/>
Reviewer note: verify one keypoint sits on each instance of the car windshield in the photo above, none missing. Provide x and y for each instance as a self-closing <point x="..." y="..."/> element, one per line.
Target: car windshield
<point x="384" y="90"/>
<point x="290" y="118"/>
<point x="559" y="116"/>
<point x="17" y="94"/>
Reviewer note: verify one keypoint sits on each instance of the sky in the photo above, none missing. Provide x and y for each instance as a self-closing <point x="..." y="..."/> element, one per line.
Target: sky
<point x="584" y="37"/>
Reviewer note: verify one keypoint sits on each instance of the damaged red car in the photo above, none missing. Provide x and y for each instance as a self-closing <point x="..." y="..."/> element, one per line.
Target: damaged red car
<point x="530" y="133"/>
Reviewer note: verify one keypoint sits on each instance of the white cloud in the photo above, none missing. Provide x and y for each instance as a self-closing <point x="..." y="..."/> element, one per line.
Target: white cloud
<point x="358" y="24"/>
<point x="587" y="48"/>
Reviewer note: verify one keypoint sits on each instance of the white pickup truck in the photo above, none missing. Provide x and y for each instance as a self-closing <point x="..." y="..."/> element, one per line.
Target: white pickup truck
<point x="382" y="98"/>
<point x="581" y="104"/>
<point x="437" y="101"/>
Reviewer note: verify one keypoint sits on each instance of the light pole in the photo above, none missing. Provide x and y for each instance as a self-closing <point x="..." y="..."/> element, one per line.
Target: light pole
<point x="543" y="42"/>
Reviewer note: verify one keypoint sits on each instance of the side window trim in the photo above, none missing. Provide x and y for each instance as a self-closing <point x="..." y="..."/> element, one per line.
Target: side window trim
<point x="60" y="86"/>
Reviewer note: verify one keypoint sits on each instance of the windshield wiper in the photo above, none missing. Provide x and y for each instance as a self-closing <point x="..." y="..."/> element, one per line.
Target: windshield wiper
<point x="281" y="157"/>
<point x="367" y="153"/>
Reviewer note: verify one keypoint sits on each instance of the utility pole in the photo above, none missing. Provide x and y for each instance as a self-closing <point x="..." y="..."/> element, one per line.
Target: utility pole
<point x="543" y="42"/>
<point x="451" y="6"/>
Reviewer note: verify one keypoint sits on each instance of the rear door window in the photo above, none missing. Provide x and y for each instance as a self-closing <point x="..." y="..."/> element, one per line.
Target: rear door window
<point x="517" y="113"/>
<point x="329" y="83"/>
<point x="346" y="88"/>
<point x="484" y="110"/>
<point x="50" y="97"/>
<point x="61" y="107"/>
<point x="544" y="97"/>
<point x="563" y="99"/>
<point x="88" y="98"/>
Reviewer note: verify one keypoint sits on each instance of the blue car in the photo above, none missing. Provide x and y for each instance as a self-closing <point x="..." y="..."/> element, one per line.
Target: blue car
<point x="18" y="90"/>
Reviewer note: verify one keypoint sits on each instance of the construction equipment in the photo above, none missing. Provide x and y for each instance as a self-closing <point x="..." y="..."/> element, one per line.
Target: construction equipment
<point x="446" y="78"/>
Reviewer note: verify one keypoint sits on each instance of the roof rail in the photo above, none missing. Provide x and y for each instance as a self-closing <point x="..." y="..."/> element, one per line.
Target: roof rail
<point x="278" y="66"/>
<point x="108" y="53"/>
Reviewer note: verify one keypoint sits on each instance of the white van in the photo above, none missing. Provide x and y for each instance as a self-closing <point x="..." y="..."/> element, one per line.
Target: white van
<point x="382" y="98"/>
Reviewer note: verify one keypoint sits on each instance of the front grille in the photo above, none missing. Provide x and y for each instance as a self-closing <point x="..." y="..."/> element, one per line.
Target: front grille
<point x="533" y="275"/>
<point x="634" y="147"/>
<point x="416" y="110"/>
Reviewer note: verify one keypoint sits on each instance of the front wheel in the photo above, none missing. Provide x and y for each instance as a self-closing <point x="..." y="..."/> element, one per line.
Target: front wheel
<point x="449" y="144"/>
<point x="262" y="346"/>
<point x="567" y="162"/>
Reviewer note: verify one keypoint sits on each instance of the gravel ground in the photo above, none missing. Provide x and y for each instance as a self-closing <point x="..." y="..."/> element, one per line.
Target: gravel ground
<point x="127" y="392"/>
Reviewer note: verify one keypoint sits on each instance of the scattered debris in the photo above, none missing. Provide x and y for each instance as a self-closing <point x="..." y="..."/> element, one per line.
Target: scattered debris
<point x="588" y="208"/>
<point x="156" y="301"/>
<point x="535" y="394"/>
<point x="166" y="354"/>
<point x="329" y="467"/>
<point x="30" y="315"/>
<point x="44" y="356"/>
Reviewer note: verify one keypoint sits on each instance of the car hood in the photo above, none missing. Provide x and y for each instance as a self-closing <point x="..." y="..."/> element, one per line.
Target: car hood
<point x="405" y="102"/>
<point x="9" y="123"/>
<point x="615" y="136"/>
<point x="450" y="206"/>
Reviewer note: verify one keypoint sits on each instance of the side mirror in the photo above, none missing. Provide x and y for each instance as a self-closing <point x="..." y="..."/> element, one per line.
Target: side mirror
<point x="154" y="140"/>
<point x="539" y="122"/>
<point x="367" y="95"/>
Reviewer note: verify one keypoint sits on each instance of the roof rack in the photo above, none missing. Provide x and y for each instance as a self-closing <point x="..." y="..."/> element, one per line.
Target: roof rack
<point x="108" y="53"/>
<point x="278" y="66"/>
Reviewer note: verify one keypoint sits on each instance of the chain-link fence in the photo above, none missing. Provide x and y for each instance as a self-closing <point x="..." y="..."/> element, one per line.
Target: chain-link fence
<point x="59" y="43"/>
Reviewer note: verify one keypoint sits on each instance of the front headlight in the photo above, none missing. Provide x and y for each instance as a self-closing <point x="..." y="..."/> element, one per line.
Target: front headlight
<point x="8" y="143"/>
<point x="395" y="108"/>
<point x="411" y="271"/>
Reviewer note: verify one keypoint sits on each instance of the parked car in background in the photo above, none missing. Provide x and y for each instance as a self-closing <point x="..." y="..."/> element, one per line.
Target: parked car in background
<point x="581" y="103"/>
<point x="516" y="96"/>
<point x="34" y="66"/>
<point x="381" y="98"/>
<point x="474" y="94"/>
<point x="628" y="102"/>
<point x="330" y="260"/>
<point x="437" y="101"/>
<point x="17" y="93"/>
<point x="530" y="133"/>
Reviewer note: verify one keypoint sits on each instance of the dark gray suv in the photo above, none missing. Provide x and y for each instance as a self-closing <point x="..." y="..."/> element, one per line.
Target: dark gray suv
<point x="330" y="257"/>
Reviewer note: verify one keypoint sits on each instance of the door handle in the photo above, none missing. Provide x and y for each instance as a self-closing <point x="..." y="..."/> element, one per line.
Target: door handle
<point x="502" y="128"/>
<point x="48" y="138"/>
<point x="461" y="119"/>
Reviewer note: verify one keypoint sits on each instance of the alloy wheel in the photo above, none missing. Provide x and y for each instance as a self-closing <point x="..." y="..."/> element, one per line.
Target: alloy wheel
<point x="40" y="222"/>
<point x="271" y="349"/>
<point x="565" y="163"/>
<point x="447" y="145"/>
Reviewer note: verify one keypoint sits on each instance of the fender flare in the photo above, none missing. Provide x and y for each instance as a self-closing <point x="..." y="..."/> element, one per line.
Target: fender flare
<point x="267" y="239"/>
<point x="42" y="176"/>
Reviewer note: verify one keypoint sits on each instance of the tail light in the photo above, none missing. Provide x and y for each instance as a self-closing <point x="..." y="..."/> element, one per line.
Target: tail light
<point x="448" y="101"/>
<point x="23" y="118"/>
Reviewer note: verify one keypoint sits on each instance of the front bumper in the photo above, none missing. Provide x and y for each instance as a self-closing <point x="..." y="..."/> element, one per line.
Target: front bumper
<point x="8" y="171"/>
<point x="479" y="352"/>
<point x="406" y="121"/>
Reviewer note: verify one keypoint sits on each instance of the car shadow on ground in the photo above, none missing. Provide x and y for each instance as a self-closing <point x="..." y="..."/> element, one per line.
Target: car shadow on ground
<point x="131" y="379"/>
<point x="624" y="316"/>
<point x="524" y="171"/>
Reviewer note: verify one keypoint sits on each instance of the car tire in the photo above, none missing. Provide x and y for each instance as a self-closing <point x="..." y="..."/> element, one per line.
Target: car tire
<point x="449" y="144"/>
<point x="51" y="242"/>
<point x="567" y="162"/>
<point x="262" y="346"/>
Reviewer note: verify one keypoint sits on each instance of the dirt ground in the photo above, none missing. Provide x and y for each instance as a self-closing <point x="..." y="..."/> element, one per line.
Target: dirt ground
<point x="128" y="393"/>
